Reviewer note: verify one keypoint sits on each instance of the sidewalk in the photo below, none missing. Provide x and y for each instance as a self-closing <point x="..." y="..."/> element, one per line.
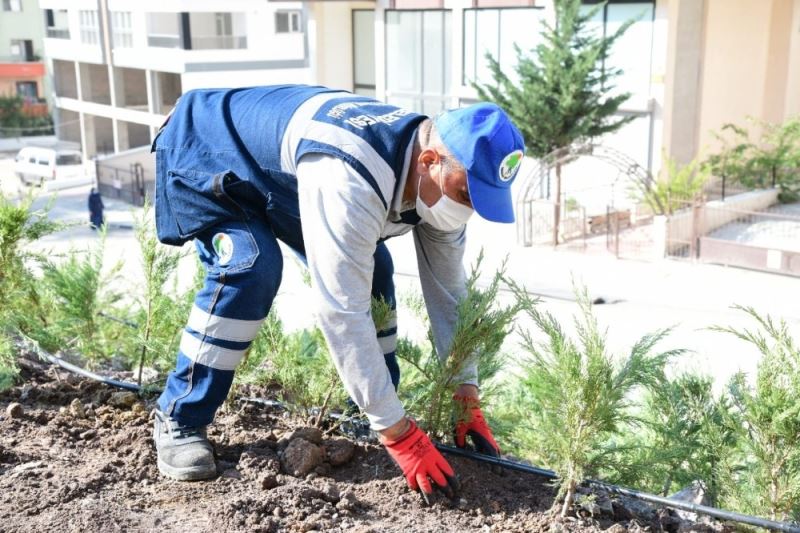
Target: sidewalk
<point x="640" y="297"/>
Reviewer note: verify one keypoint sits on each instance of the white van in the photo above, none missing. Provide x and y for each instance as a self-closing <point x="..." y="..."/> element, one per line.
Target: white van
<point x="51" y="168"/>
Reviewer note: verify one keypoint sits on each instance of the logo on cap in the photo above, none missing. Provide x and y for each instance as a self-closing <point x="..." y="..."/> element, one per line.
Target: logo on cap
<point x="223" y="246"/>
<point x="510" y="165"/>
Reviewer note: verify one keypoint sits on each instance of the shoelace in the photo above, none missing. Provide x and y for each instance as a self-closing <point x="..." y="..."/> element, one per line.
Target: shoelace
<point x="178" y="430"/>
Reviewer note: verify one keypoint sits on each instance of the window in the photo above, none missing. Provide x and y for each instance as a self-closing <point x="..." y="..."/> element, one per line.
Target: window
<point x="418" y="54"/>
<point x="223" y="23"/>
<point x="12" y="5"/>
<point x="68" y="159"/>
<point x="633" y="51"/>
<point x="287" y="22"/>
<point x="496" y="32"/>
<point x="89" y="28"/>
<point x="28" y="90"/>
<point x="121" y="32"/>
<point x="22" y="50"/>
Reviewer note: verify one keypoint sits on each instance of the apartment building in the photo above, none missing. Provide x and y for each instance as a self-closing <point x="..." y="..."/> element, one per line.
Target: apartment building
<point x="119" y="65"/>
<point x="22" y="71"/>
<point x="690" y="65"/>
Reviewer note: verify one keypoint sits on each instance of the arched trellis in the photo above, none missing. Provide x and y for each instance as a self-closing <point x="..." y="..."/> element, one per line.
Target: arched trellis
<point x="536" y="183"/>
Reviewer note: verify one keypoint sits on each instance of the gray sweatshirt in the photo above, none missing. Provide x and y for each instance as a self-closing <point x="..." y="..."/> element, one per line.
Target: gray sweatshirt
<point x="342" y="220"/>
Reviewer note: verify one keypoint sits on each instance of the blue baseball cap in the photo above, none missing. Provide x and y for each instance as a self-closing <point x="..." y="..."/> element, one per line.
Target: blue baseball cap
<point x="490" y="147"/>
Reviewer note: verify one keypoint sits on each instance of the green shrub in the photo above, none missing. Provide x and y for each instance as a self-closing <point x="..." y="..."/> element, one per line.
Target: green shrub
<point x="160" y="311"/>
<point x="579" y="396"/>
<point x="772" y="158"/>
<point x="481" y="327"/>
<point x="678" y="186"/>
<point x="768" y="481"/>
<point x="22" y="310"/>
<point x="684" y="434"/>
<point x="14" y="122"/>
<point x="8" y="361"/>
<point x="76" y="291"/>
<point x="298" y="366"/>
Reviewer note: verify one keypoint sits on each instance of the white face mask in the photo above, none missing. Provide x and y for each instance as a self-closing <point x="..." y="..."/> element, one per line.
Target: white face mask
<point x="446" y="214"/>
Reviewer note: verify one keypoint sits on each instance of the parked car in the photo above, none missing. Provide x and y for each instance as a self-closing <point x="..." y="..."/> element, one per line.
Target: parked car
<point x="51" y="168"/>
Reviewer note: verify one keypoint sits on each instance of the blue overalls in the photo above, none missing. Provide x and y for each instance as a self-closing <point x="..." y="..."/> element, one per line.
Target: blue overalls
<point x="221" y="181"/>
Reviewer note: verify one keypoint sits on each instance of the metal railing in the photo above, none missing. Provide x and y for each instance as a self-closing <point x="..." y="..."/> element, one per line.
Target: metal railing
<point x="219" y="42"/>
<point x="164" y="41"/>
<point x="58" y="33"/>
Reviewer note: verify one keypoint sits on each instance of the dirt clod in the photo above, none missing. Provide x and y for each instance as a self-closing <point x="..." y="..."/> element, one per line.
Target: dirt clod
<point x="15" y="410"/>
<point x="301" y="457"/>
<point x="269" y="482"/>
<point x="312" y="435"/>
<point x="76" y="409"/>
<point x="88" y="434"/>
<point x="123" y="399"/>
<point x="339" y="451"/>
<point x="330" y="492"/>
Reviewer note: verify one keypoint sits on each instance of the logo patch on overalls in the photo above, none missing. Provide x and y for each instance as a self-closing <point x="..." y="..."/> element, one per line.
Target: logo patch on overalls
<point x="223" y="247"/>
<point x="510" y="165"/>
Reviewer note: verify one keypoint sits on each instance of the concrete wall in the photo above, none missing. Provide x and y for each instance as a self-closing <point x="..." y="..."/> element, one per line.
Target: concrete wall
<point x="124" y="160"/>
<point x="746" y="64"/>
<point x="95" y="86"/>
<point x="25" y="24"/>
<point x="679" y="227"/>
<point x="792" y="105"/>
<point x="131" y="87"/>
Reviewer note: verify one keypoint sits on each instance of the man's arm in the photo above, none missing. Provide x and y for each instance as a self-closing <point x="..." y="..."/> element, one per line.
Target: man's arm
<point x="342" y="218"/>
<point x="440" y="258"/>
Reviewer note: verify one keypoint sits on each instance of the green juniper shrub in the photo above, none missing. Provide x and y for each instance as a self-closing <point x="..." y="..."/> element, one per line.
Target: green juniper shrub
<point x="161" y="310"/>
<point x="22" y="310"/>
<point x="579" y="394"/>
<point x="77" y="290"/>
<point x="301" y="368"/>
<point x="8" y="361"/>
<point x="768" y="480"/>
<point x="429" y="381"/>
<point x="684" y="434"/>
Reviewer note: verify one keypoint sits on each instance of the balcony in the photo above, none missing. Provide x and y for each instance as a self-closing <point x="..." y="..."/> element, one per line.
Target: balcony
<point x="37" y="108"/>
<point x="164" y="41"/>
<point x="58" y="33"/>
<point x="219" y="42"/>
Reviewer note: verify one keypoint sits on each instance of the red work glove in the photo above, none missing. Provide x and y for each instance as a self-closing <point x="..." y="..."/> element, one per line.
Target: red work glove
<point x="470" y="422"/>
<point x="419" y="459"/>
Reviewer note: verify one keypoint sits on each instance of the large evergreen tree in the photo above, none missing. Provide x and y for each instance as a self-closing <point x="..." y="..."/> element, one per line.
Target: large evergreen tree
<point x="563" y="94"/>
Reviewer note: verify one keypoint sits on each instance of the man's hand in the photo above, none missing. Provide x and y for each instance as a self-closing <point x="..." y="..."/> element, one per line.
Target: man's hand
<point x="419" y="460"/>
<point x="470" y="422"/>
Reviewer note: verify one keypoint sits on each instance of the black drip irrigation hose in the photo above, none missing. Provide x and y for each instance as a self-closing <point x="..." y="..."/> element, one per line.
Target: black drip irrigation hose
<point x="630" y="493"/>
<point x="504" y="463"/>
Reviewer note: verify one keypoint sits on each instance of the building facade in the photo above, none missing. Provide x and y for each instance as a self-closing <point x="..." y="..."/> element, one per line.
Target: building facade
<point x="690" y="66"/>
<point x="22" y="70"/>
<point x="119" y="65"/>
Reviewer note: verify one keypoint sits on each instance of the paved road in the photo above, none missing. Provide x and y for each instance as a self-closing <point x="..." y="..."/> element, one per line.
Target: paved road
<point x="640" y="296"/>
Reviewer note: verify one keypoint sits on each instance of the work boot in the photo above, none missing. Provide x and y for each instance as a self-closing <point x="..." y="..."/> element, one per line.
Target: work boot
<point x="184" y="452"/>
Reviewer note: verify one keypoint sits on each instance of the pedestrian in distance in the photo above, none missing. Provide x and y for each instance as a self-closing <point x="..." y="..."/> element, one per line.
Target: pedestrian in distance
<point x="96" y="207"/>
<point x="332" y="175"/>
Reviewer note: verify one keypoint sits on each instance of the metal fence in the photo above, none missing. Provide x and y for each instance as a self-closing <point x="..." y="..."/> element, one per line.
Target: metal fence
<point x="132" y="185"/>
<point x="763" y="240"/>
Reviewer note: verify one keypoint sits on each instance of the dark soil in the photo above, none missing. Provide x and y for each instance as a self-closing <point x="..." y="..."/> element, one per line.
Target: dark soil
<point x="76" y="455"/>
